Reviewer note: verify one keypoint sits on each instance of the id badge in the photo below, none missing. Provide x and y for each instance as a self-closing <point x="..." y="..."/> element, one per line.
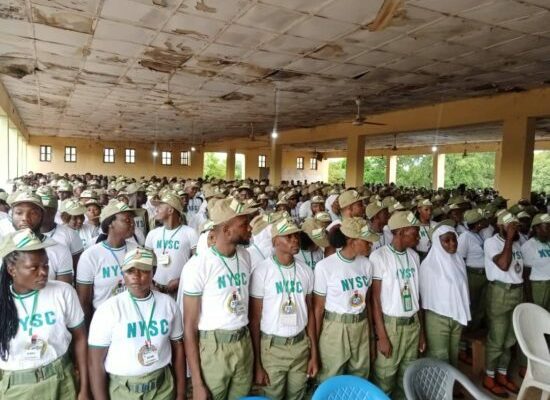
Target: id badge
<point x="406" y="299"/>
<point x="148" y="355"/>
<point x="119" y="288"/>
<point x="235" y="303"/>
<point x="164" y="259"/>
<point x="34" y="350"/>
<point x="289" y="317"/>
<point x="356" y="300"/>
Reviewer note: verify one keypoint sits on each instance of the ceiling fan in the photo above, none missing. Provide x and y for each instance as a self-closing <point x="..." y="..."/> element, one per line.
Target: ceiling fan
<point x="394" y="147"/>
<point x="252" y="137"/>
<point x="359" y="119"/>
<point x="168" y="104"/>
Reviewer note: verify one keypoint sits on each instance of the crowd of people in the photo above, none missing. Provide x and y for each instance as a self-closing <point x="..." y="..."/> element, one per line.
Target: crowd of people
<point x="112" y="287"/>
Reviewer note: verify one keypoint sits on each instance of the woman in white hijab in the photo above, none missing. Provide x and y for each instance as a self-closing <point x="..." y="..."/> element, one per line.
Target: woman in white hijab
<point x="444" y="295"/>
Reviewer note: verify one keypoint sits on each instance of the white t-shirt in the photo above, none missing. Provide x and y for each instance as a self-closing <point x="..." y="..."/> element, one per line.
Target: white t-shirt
<point x="3" y="215"/>
<point x="179" y="296"/>
<point x="66" y="236"/>
<point x="460" y="229"/>
<point x="60" y="261"/>
<point x="305" y="210"/>
<point x="494" y="246"/>
<point x="395" y="269"/>
<point x="177" y="245"/>
<point x="57" y="311"/>
<point x="343" y="283"/>
<point x="310" y="258"/>
<point x="99" y="266"/>
<point x="537" y="256"/>
<point x="118" y="326"/>
<point x="219" y="284"/>
<point x="6" y="227"/>
<point x="267" y="283"/>
<point x="470" y="247"/>
<point x="425" y="242"/>
<point x="388" y="236"/>
<point x="258" y="253"/>
<point x="380" y="242"/>
<point x="487" y="232"/>
<point x="89" y="234"/>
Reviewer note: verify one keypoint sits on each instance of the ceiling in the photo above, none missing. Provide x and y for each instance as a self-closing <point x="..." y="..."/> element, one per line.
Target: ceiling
<point x="82" y="67"/>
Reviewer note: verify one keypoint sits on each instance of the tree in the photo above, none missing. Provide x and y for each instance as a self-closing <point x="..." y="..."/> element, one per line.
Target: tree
<point x="239" y="170"/>
<point x="414" y="170"/>
<point x="336" y="170"/>
<point x="541" y="171"/>
<point x="374" y="170"/>
<point x="214" y="165"/>
<point x="476" y="170"/>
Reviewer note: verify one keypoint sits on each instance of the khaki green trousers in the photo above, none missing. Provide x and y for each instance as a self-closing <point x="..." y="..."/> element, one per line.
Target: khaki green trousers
<point x="477" y="286"/>
<point x="161" y="385"/>
<point x="226" y="367"/>
<point x="541" y="293"/>
<point x="442" y="337"/>
<point x="286" y="366"/>
<point x="501" y="302"/>
<point x="60" y="386"/>
<point x="344" y="349"/>
<point x="389" y="372"/>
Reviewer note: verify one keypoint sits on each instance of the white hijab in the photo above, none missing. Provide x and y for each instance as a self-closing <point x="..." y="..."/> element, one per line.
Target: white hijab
<point x="443" y="281"/>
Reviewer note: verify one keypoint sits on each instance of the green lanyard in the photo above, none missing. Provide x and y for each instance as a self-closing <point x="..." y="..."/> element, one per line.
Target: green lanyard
<point x="233" y="277"/>
<point x="171" y="237"/>
<point x="33" y="311"/>
<point x="397" y="256"/>
<point x="148" y="325"/>
<point x="286" y="287"/>
<point x="312" y="265"/>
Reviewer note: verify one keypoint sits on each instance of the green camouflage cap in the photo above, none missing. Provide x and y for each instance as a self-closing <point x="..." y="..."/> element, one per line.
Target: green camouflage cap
<point x="505" y="218"/>
<point x="26" y="197"/>
<point x="374" y="208"/>
<point x="172" y="200"/>
<point x="543" y="218"/>
<point x="226" y="209"/>
<point x="72" y="207"/>
<point x="23" y="240"/>
<point x="283" y="228"/>
<point x="402" y="219"/>
<point x="140" y="258"/>
<point x="114" y="207"/>
<point x="473" y="216"/>
<point x="357" y="228"/>
<point x="349" y="197"/>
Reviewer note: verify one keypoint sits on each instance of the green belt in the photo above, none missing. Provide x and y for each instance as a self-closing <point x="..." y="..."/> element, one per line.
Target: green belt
<point x="476" y="271"/>
<point x="32" y="376"/>
<point x="225" y="336"/>
<point x="401" y="321"/>
<point x="146" y="387"/>
<point x="507" y="285"/>
<point x="345" y="318"/>
<point x="285" y="341"/>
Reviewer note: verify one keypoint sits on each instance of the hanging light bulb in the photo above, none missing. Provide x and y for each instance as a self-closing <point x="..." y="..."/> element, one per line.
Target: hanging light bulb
<point x="155" y="153"/>
<point x="274" y="134"/>
<point x="193" y="148"/>
<point x="434" y="148"/>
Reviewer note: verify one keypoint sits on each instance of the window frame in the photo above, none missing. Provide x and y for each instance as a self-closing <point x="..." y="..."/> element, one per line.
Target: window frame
<point x="300" y="163"/>
<point x="313" y="164"/>
<point x="183" y="156"/>
<point x="262" y="161"/>
<point x="72" y="153"/>
<point x="166" y="158"/>
<point x="130" y="155"/>
<point x="45" y="153"/>
<point x="108" y="155"/>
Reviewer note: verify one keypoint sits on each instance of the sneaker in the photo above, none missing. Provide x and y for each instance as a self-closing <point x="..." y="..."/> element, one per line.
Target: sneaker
<point x="492" y="386"/>
<point x="504" y="381"/>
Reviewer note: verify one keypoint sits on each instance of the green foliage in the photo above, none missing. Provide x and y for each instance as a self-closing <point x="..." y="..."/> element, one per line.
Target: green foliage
<point x="414" y="170"/>
<point x="336" y="170"/>
<point x="476" y="170"/>
<point x="541" y="171"/>
<point x="239" y="167"/>
<point x="374" y="170"/>
<point x="214" y="165"/>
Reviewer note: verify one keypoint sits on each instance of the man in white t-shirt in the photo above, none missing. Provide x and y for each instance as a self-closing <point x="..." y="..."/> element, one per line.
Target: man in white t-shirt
<point x="194" y="203"/>
<point x="396" y="304"/>
<point x="216" y="307"/>
<point x="504" y="269"/>
<point x="173" y="244"/>
<point x="536" y="255"/>
<point x="281" y="318"/>
<point x="377" y="216"/>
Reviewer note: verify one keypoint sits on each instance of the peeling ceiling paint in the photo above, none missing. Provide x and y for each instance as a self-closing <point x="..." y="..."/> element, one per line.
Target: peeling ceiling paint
<point x="73" y="66"/>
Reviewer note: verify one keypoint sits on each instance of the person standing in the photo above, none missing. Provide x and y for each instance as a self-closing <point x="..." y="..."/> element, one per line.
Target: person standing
<point x="135" y="343"/>
<point x="504" y="268"/>
<point x="40" y="320"/>
<point x="444" y="292"/>
<point x="396" y="304"/>
<point x="282" y="324"/>
<point x="217" y="339"/>
<point x="424" y="214"/>
<point x="378" y="216"/>
<point x="536" y="256"/>
<point x="341" y="301"/>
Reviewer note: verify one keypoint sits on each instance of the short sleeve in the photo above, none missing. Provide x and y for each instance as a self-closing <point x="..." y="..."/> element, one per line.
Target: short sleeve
<point x="74" y="316"/>
<point x="193" y="279"/>
<point x="320" y="280"/>
<point x="101" y="327"/>
<point x="527" y="251"/>
<point x="75" y="243"/>
<point x="367" y="267"/>
<point x="62" y="260"/>
<point x="462" y="248"/>
<point x="257" y="281"/>
<point x="193" y="238"/>
<point x="490" y="249"/>
<point x="149" y="240"/>
<point x="310" y="280"/>
<point x="176" y="331"/>
<point x="378" y="265"/>
<point x="85" y="271"/>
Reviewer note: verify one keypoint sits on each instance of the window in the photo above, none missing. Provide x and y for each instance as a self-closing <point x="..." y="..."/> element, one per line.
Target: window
<point x="313" y="163"/>
<point x="130" y="156"/>
<point x="185" y="158"/>
<point x="109" y="155"/>
<point x="166" y="158"/>
<point x="70" y="154"/>
<point x="46" y="153"/>
<point x="300" y="163"/>
<point x="261" y="161"/>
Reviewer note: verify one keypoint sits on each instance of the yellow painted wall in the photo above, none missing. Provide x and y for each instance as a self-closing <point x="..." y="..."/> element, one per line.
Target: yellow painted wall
<point x="289" y="170"/>
<point x="90" y="158"/>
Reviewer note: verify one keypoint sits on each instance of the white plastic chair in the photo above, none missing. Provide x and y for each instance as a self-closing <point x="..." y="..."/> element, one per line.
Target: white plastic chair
<point x="531" y="323"/>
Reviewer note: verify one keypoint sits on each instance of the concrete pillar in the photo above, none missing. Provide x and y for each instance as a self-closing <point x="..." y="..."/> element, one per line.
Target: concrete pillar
<point x="13" y="138"/>
<point x="516" y="166"/>
<point x="276" y="163"/>
<point x="498" y="159"/>
<point x="391" y="169"/>
<point x="230" y="165"/>
<point x="4" y="152"/>
<point x="438" y="171"/>
<point x="355" y="161"/>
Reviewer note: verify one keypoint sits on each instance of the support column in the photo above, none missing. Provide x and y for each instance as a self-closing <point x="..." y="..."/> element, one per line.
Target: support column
<point x="438" y="171"/>
<point x="4" y="152"/>
<point x="230" y="165"/>
<point x="13" y="137"/>
<point x="516" y="166"/>
<point x="391" y="169"/>
<point x="276" y="163"/>
<point x="498" y="159"/>
<point x="355" y="161"/>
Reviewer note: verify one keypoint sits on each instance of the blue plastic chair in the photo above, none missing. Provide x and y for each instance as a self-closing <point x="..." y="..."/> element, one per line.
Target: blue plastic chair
<point x="350" y="387"/>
